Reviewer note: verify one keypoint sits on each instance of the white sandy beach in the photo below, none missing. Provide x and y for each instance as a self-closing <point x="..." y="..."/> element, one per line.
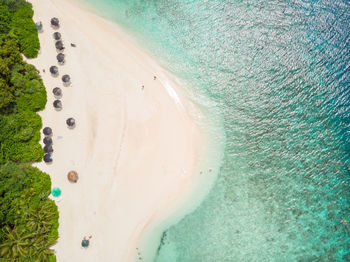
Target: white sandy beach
<point x="135" y="150"/>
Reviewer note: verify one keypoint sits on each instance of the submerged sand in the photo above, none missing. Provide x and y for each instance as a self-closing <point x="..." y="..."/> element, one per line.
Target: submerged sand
<point x="135" y="149"/>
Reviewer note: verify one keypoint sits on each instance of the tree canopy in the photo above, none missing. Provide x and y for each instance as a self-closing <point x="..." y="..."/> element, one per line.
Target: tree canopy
<point x="28" y="218"/>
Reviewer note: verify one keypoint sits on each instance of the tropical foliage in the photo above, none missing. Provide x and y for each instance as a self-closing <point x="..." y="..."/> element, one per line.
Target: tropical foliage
<point x="22" y="93"/>
<point x="16" y="20"/>
<point x="28" y="219"/>
<point x="24" y="28"/>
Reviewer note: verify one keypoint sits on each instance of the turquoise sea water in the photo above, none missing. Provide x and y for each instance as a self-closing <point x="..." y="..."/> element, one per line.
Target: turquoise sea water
<point x="279" y="75"/>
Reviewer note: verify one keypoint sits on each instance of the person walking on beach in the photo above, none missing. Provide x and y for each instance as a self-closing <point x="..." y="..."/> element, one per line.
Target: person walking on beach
<point x="85" y="243"/>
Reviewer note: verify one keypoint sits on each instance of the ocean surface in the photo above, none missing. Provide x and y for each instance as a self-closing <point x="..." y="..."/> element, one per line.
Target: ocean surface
<point x="277" y="73"/>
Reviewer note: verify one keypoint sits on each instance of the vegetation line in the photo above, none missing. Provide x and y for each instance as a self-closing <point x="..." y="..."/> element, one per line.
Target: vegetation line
<point x="28" y="218"/>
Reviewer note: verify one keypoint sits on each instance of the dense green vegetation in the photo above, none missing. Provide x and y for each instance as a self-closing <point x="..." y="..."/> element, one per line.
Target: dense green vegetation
<point x="22" y="93"/>
<point x="28" y="219"/>
<point x="24" y="29"/>
<point x="16" y="20"/>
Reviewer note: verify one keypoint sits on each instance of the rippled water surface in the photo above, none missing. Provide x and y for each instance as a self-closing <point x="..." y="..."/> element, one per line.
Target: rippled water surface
<point x="279" y="71"/>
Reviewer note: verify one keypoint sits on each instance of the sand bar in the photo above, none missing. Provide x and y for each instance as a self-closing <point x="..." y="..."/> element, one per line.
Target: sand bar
<point x="135" y="148"/>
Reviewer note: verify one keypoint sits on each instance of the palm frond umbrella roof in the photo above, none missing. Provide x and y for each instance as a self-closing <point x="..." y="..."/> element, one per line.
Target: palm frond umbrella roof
<point x="57" y="91"/>
<point x="54" y="70"/>
<point x="59" y="45"/>
<point x="60" y="57"/>
<point x="57" y="36"/>
<point x="70" y="121"/>
<point x="47" y="158"/>
<point x="57" y="104"/>
<point x="47" y="131"/>
<point x="66" y="78"/>
<point x="55" y="21"/>
<point x="48" y="149"/>
<point x="72" y="176"/>
<point x="47" y="140"/>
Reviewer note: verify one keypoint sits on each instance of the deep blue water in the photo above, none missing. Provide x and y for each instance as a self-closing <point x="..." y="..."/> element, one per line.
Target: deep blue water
<point x="278" y="72"/>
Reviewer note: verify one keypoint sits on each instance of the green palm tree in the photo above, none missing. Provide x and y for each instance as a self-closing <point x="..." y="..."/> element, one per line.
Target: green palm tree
<point x="44" y="254"/>
<point x="16" y="244"/>
<point x="41" y="247"/>
<point x="39" y="220"/>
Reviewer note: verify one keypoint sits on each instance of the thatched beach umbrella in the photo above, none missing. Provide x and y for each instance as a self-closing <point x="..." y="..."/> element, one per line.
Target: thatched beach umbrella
<point x="47" y="140"/>
<point x="47" y="158"/>
<point x="57" y="36"/>
<point x="56" y="192"/>
<point x="70" y="122"/>
<point x="60" y="58"/>
<point x="59" y="45"/>
<point x="55" y="22"/>
<point x="72" y="176"/>
<point x="48" y="149"/>
<point x="57" y="92"/>
<point x="54" y="70"/>
<point x="47" y="131"/>
<point x="66" y="79"/>
<point x="57" y="104"/>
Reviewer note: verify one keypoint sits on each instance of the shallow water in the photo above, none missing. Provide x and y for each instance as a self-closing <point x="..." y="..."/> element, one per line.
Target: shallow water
<point x="279" y="73"/>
